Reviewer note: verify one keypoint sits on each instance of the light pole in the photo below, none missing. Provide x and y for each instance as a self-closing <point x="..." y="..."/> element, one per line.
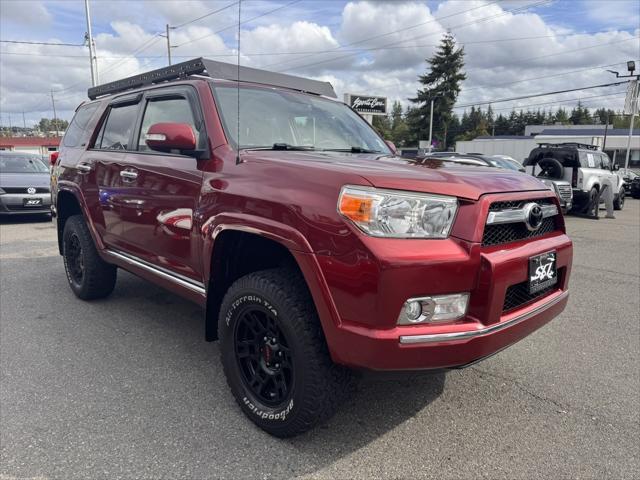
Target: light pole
<point x="431" y="127"/>
<point x="92" y="53"/>
<point x="631" y="103"/>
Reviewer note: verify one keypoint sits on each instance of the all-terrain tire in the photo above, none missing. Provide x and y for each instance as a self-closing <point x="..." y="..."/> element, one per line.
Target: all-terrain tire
<point x="279" y="298"/>
<point x="89" y="276"/>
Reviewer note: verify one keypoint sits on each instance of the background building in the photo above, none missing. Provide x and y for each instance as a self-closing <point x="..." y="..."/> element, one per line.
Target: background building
<point x="37" y="145"/>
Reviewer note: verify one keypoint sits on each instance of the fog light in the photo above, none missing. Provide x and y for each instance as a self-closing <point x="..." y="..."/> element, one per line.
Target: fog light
<point x="439" y="308"/>
<point x="413" y="311"/>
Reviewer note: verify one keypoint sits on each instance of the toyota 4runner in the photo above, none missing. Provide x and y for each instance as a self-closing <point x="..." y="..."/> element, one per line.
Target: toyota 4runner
<point x="312" y="247"/>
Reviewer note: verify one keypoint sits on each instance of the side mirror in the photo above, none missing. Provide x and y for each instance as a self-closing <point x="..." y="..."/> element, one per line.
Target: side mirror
<point x="392" y="146"/>
<point x="165" y="137"/>
<point x="616" y="167"/>
<point x="53" y="158"/>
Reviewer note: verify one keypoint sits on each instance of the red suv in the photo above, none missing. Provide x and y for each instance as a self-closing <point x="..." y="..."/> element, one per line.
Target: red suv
<point x="313" y="248"/>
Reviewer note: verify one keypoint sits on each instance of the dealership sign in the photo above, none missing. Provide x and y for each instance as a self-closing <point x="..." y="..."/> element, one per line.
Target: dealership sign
<point x="366" y="104"/>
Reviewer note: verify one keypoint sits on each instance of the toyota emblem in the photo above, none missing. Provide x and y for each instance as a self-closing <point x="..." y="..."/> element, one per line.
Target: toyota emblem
<point x="31" y="190"/>
<point x="533" y="216"/>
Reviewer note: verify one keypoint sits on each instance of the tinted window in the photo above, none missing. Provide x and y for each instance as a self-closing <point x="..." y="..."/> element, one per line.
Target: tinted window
<point x="78" y="125"/>
<point x="606" y="163"/>
<point x="118" y="127"/>
<point x="174" y="110"/>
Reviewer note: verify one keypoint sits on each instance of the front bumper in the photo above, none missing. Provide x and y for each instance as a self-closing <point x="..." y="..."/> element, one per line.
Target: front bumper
<point x="369" y="287"/>
<point x="13" y="204"/>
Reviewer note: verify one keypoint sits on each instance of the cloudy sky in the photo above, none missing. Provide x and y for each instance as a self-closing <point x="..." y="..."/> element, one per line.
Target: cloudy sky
<point x="513" y="47"/>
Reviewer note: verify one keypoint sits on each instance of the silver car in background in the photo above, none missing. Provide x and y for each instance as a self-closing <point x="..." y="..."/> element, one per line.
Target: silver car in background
<point x="24" y="184"/>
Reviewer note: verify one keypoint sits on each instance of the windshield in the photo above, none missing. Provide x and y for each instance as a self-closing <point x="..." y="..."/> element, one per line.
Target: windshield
<point x="22" y="164"/>
<point x="504" y="163"/>
<point x="286" y="119"/>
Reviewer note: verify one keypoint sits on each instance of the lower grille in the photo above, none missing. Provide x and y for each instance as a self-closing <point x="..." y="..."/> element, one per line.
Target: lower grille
<point x="512" y="232"/>
<point x="518" y="295"/>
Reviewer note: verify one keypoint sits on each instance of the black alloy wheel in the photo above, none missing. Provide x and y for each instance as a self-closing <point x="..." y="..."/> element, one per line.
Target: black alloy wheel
<point x="75" y="261"/>
<point x="263" y="356"/>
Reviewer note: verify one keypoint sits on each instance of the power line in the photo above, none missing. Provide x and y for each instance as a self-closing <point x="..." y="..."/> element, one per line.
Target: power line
<point x="362" y="40"/>
<point x="558" y="102"/>
<point x="523" y="97"/>
<point x="494" y="85"/>
<point x="308" y="52"/>
<point x="235" y="25"/>
<point x="462" y="25"/>
<point x="24" y="42"/>
<point x="204" y="16"/>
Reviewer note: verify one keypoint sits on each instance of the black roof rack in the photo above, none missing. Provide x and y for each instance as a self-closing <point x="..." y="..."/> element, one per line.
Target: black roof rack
<point x="569" y="144"/>
<point x="213" y="69"/>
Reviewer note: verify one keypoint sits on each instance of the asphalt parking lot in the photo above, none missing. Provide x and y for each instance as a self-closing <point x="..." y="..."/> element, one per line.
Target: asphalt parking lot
<point x="127" y="388"/>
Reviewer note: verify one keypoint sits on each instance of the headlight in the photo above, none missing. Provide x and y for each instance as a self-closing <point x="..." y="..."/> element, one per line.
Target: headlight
<point x="398" y="214"/>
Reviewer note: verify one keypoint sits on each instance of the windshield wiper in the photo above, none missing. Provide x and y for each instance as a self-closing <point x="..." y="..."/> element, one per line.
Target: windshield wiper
<point x="282" y="146"/>
<point x="352" y="150"/>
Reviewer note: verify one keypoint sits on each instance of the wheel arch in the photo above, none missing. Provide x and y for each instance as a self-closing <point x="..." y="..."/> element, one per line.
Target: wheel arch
<point x="70" y="202"/>
<point x="238" y="250"/>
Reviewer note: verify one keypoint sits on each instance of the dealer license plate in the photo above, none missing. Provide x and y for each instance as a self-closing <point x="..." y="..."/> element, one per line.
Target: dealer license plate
<point x="31" y="202"/>
<point x="542" y="272"/>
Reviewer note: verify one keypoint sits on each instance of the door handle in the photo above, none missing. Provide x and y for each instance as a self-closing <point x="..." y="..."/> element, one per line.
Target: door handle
<point x="83" y="167"/>
<point x="128" y="174"/>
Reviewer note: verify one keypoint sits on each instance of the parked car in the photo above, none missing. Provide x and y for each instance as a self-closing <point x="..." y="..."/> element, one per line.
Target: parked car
<point x="628" y="176"/>
<point x="24" y="184"/>
<point x="634" y="188"/>
<point x="584" y="166"/>
<point x="311" y="246"/>
<point x="500" y="161"/>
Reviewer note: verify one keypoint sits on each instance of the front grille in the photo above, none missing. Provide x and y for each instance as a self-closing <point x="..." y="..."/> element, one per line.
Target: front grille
<point x="514" y="204"/>
<point x="518" y="295"/>
<point x="24" y="189"/>
<point x="512" y="232"/>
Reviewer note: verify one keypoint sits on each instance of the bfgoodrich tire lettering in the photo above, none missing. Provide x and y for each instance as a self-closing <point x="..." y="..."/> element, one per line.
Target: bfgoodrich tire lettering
<point x="286" y="326"/>
<point x="89" y="276"/>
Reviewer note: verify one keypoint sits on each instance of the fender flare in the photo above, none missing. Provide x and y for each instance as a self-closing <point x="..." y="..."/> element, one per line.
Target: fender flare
<point x="71" y="189"/>
<point x="300" y="249"/>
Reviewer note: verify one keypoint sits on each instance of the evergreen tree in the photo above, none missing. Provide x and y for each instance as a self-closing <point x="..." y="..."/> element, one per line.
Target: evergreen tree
<point x="442" y="84"/>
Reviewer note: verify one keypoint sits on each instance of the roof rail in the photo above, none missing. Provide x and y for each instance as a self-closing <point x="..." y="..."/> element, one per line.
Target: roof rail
<point x="213" y="69"/>
<point x="569" y="144"/>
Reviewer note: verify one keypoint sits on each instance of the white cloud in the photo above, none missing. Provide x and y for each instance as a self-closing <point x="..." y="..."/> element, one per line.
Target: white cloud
<point x="14" y="11"/>
<point x="371" y="47"/>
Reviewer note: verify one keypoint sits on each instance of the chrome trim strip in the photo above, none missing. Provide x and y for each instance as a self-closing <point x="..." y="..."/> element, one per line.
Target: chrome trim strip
<point x="444" y="337"/>
<point x="517" y="215"/>
<point x="176" y="278"/>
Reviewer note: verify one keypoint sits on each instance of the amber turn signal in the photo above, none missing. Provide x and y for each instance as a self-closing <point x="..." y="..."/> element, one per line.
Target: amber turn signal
<point x="355" y="208"/>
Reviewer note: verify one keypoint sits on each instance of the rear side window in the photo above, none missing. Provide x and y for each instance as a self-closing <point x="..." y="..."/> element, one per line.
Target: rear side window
<point x="174" y="110"/>
<point x="606" y="163"/>
<point x="116" y="130"/>
<point x="78" y="126"/>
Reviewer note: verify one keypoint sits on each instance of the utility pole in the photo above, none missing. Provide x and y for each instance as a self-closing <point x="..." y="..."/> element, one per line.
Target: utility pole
<point x="55" y="117"/>
<point x="89" y="39"/>
<point x="168" y="44"/>
<point x="431" y="127"/>
<point x="24" y="123"/>
<point x="631" y="102"/>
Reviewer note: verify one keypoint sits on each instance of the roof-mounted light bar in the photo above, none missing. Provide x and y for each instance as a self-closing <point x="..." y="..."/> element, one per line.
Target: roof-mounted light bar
<point x="213" y="69"/>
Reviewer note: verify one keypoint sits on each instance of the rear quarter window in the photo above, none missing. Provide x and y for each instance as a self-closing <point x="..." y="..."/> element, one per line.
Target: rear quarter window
<point x="78" y="126"/>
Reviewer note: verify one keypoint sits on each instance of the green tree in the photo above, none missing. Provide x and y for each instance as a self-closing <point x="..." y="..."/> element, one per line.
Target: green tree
<point x="561" y="117"/>
<point x="442" y="84"/>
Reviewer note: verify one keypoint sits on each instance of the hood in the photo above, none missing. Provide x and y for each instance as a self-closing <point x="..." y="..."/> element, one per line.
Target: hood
<point x="19" y="180"/>
<point x="421" y="175"/>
